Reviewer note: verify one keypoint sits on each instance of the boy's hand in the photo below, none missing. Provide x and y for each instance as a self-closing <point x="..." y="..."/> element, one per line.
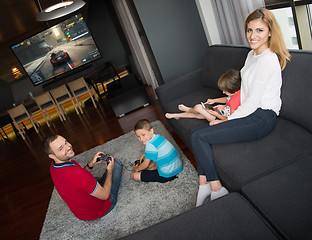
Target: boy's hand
<point x="135" y="167"/>
<point x="144" y="163"/>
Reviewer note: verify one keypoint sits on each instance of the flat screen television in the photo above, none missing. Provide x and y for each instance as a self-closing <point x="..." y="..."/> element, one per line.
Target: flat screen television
<point x="57" y="50"/>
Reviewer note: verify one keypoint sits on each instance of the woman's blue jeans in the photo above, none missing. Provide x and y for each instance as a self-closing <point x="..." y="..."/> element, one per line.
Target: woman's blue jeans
<point x="117" y="174"/>
<point x="253" y="127"/>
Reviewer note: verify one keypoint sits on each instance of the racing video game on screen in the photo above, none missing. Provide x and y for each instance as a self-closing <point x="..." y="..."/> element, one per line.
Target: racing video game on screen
<point x="57" y="50"/>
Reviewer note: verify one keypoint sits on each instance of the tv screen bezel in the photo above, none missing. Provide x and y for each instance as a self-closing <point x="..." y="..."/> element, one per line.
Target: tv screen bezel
<point x="64" y="74"/>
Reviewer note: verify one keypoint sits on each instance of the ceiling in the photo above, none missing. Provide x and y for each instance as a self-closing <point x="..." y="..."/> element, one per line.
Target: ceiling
<point x="18" y="22"/>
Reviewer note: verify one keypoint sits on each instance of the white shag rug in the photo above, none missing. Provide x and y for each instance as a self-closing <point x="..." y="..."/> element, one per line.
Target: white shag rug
<point x="139" y="204"/>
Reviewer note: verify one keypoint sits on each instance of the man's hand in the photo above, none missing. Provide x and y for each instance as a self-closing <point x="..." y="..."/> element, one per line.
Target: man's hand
<point x="93" y="161"/>
<point x="110" y="165"/>
<point x="103" y="193"/>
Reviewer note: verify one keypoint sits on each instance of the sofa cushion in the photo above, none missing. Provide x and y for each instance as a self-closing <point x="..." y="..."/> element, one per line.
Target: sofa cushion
<point x="219" y="59"/>
<point x="285" y="198"/>
<point x="230" y="217"/>
<point x="183" y="126"/>
<point x="240" y="163"/>
<point x="297" y="84"/>
<point x="179" y="87"/>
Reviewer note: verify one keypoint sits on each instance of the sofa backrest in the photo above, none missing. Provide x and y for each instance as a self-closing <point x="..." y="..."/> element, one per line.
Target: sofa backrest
<point x="297" y="89"/>
<point x="219" y="59"/>
<point x="297" y="78"/>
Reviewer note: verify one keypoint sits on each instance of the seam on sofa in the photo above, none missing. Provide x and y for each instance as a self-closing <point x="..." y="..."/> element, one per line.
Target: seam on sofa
<point x="289" y="162"/>
<point x="260" y="215"/>
<point x="267" y="220"/>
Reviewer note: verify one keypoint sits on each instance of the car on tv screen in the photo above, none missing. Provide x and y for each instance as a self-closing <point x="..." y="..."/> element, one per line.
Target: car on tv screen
<point x="59" y="57"/>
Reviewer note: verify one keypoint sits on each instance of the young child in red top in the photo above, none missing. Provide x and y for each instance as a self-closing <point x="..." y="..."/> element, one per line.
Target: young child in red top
<point x="229" y="83"/>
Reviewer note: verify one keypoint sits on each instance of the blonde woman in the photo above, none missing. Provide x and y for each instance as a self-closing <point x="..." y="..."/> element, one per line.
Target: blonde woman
<point x="260" y="101"/>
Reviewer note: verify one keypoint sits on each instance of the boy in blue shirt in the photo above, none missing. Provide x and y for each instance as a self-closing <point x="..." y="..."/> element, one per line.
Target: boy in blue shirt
<point x="160" y="162"/>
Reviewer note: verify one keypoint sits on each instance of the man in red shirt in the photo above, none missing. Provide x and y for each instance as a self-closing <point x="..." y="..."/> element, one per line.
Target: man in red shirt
<point x="87" y="198"/>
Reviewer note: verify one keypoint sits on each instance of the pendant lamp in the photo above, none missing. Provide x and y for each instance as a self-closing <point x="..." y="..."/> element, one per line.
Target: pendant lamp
<point x="59" y="10"/>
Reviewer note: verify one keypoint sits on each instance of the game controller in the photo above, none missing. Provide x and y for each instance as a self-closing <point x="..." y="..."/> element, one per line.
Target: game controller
<point x="104" y="157"/>
<point x="212" y="106"/>
<point x="138" y="162"/>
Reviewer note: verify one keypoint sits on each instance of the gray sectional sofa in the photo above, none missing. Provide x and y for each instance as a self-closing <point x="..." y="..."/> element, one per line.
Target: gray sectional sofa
<point x="270" y="179"/>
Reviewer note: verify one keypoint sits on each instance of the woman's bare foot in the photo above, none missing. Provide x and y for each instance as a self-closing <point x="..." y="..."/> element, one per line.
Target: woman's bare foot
<point x="171" y="115"/>
<point x="184" y="108"/>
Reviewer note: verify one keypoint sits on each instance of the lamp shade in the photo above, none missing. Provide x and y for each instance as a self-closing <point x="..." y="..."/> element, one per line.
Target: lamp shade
<point x="45" y="15"/>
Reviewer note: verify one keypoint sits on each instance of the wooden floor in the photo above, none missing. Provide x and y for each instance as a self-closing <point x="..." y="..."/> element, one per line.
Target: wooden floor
<point x="25" y="182"/>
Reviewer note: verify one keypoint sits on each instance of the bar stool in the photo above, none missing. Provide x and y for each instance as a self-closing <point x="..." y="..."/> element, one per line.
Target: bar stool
<point x="79" y="87"/>
<point x="44" y="102"/>
<point x="62" y="95"/>
<point x="19" y="114"/>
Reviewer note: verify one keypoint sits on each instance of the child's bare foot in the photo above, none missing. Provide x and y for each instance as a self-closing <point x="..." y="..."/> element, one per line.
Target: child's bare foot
<point x="171" y="115"/>
<point x="184" y="108"/>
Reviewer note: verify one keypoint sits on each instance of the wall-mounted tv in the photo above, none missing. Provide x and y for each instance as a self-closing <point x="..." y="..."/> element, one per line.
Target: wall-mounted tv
<point x="57" y="50"/>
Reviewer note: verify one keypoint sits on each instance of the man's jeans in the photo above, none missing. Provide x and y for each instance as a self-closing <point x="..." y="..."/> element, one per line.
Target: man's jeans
<point x="117" y="173"/>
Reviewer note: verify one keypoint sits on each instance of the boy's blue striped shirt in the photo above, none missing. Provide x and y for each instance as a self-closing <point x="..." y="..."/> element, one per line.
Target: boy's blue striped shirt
<point x="163" y="153"/>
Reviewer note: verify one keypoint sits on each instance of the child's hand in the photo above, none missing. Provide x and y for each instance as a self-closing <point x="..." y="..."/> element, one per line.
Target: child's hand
<point x="219" y="107"/>
<point x="210" y="101"/>
<point x="135" y="167"/>
<point x="213" y="113"/>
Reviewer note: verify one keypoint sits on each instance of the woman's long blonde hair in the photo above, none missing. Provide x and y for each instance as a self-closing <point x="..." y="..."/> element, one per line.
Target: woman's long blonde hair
<point x="276" y="41"/>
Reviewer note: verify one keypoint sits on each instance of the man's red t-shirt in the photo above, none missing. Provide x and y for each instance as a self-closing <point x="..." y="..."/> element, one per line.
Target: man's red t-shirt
<point x="75" y="185"/>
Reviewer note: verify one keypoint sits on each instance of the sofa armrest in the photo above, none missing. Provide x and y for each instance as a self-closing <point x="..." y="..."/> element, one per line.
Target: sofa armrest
<point x="179" y="87"/>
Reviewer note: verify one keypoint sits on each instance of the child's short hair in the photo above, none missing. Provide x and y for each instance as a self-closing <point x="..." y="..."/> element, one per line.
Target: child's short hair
<point x="143" y="124"/>
<point x="230" y="81"/>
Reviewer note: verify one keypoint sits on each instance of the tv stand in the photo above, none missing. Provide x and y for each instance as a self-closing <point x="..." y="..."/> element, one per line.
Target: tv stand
<point x="129" y="97"/>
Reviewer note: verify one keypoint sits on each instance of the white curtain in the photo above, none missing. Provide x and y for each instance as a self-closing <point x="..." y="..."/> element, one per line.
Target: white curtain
<point x="231" y="16"/>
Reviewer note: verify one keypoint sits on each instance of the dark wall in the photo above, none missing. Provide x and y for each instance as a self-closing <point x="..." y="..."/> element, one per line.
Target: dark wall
<point x="175" y="33"/>
<point x="6" y="97"/>
<point x="21" y="89"/>
<point x="105" y="29"/>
